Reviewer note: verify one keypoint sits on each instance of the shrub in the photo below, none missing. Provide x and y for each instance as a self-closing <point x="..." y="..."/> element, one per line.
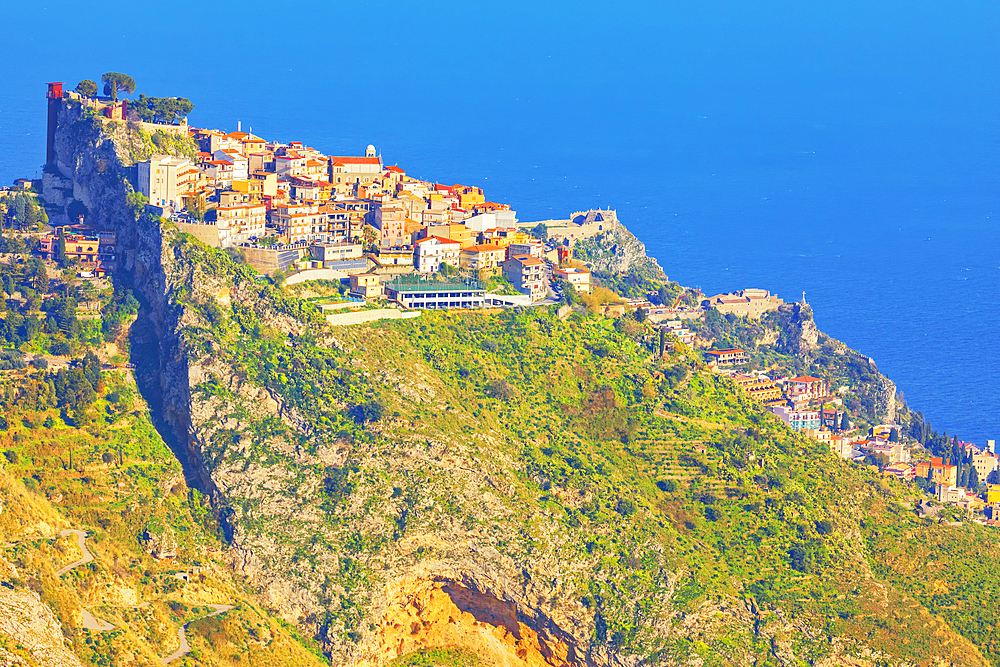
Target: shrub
<point x="667" y="485"/>
<point x="369" y="412"/>
<point x="625" y="506"/>
<point x="60" y="348"/>
<point x="500" y="390"/>
<point x="12" y="457"/>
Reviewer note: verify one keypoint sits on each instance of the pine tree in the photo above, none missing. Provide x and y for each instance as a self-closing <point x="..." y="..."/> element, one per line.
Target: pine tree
<point x="973" y="483"/>
<point x="845" y="425"/>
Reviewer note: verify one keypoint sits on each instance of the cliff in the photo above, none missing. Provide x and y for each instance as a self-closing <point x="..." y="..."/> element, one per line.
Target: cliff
<point x="535" y="491"/>
<point x="93" y="168"/>
<point x="618" y="251"/>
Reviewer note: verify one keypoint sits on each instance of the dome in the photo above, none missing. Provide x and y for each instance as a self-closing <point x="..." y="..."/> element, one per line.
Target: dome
<point x="370" y="151"/>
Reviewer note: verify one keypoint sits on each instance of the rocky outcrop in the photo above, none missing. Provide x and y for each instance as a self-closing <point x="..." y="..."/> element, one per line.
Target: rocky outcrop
<point x="618" y="251"/>
<point x="31" y="625"/>
<point x="90" y="173"/>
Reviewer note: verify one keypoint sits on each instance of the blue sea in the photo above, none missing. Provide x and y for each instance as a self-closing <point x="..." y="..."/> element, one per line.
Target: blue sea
<point x="848" y="150"/>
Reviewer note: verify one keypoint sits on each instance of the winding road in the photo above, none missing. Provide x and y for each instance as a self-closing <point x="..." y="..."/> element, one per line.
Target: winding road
<point x="91" y="623"/>
<point x="182" y="636"/>
<point x="80" y="539"/>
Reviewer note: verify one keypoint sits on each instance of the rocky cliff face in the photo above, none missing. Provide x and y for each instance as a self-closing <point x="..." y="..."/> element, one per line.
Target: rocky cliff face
<point x="32" y="628"/>
<point x="619" y="251"/>
<point x="423" y="529"/>
<point x="90" y="173"/>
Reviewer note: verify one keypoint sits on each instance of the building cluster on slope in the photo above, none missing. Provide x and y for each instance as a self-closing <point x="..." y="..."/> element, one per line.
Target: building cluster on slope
<point x="288" y="206"/>
<point x="804" y="404"/>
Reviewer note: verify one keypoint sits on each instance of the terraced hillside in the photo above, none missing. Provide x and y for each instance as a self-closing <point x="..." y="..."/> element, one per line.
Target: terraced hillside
<point x="527" y="489"/>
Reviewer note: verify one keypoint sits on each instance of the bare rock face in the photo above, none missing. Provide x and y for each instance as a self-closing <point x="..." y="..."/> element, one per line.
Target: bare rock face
<point x="29" y="622"/>
<point x="90" y="169"/>
<point x="427" y="613"/>
<point x="618" y="251"/>
<point x="161" y="544"/>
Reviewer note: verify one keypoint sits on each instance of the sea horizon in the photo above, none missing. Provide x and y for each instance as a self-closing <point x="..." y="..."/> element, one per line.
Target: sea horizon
<point x="844" y="152"/>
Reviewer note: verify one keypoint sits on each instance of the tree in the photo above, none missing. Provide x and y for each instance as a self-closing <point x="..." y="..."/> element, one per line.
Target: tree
<point x="87" y="88"/>
<point x="162" y="109"/>
<point x="894" y="435"/>
<point x="540" y="231"/>
<point x="116" y="82"/>
<point x="663" y="295"/>
<point x="501" y="390"/>
<point x="973" y="483"/>
<point x="845" y="424"/>
<point x="61" y="251"/>
<point x="87" y="292"/>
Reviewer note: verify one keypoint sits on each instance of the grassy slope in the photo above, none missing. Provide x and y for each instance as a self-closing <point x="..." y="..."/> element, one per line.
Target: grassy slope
<point x="565" y="458"/>
<point x="571" y="446"/>
<point x="117" y="504"/>
<point x="586" y="422"/>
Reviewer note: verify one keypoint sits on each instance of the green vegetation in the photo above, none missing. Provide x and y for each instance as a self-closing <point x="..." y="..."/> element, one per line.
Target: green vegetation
<point x="437" y="657"/>
<point x="167" y="110"/>
<point x="664" y="485"/>
<point x="87" y="88"/>
<point x="116" y="82"/>
<point x="22" y="212"/>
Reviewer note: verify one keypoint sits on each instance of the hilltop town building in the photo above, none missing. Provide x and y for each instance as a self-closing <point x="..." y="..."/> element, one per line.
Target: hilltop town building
<point x="430" y="253"/>
<point x="167" y="180"/>
<point x="526" y="274"/>
<point x="750" y="303"/>
<point x="361" y="170"/>
<point x="435" y="295"/>
<point x="578" y="278"/>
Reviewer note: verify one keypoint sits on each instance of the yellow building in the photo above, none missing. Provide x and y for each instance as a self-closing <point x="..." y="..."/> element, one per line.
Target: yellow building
<point x="482" y="257"/>
<point x="759" y="388"/>
<point x="468" y="200"/>
<point x="993" y="494"/>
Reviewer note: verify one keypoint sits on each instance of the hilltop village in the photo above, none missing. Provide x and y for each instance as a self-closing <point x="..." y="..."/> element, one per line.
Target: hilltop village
<point x="394" y="245"/>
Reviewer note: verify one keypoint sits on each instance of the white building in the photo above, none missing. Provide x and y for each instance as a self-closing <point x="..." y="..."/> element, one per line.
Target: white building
<point x="241" y="166"/>
<point x="243" y="222"/>
<point x="483" y="221"/>
<point x="430" y="253"/>
<point x="165" y="180"/>
<point x="578" y="278"/>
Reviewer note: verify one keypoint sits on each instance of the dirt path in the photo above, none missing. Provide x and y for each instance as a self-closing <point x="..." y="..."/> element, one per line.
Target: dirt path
<point x="80" y="539"/>
<point x="184" y="648"/>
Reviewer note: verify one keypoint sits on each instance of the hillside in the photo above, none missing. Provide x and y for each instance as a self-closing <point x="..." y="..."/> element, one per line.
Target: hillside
<point x="115" y="481"/>
<point x="463" y="488"/>
<point x="585" y="501"/>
